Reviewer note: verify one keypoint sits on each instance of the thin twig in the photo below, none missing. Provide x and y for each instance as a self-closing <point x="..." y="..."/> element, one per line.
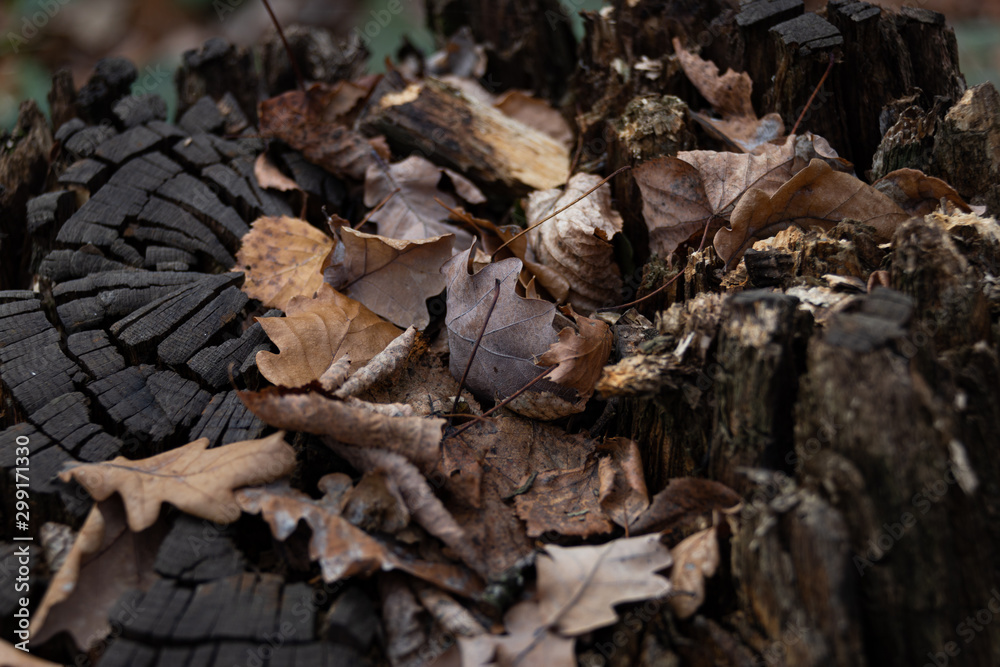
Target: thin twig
<point x="475" y="348"/>
<point x="372" y="212"/>
<point x="288" y="50"/>
<point x="653" y="293"/>
<point x="507" y="400"/>
<point x="813" y="96"/>
<point x="549" y="217"/>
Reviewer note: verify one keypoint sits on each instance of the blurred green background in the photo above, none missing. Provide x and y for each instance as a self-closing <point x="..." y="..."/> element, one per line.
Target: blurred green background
<point x="42" y="35"/>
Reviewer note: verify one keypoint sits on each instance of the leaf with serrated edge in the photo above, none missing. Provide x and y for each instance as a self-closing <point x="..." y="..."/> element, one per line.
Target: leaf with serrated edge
<point x="192" y="478"/>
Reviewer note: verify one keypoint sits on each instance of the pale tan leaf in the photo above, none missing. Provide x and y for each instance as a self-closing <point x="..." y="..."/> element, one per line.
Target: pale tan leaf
<point x="576" y="244"/>
<point x="13" y="657"/>
<point x="392" y="277"/>
<point x="817" y="196"/>
<point x="315" y="332"/>
<point x="192" y="478"/>
<point x="282" y="258"/>
<point x="106" y="560"/>
<point x="269" y="176"/>
<point x="695" y="559"/>
<point x="578" y="587"/>
<point x="528" y="642"/>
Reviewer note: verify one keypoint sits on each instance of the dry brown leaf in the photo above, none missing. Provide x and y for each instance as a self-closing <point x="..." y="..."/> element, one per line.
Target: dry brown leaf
<point x="282" y="258"/>
<point x="518" y="329"/>
<point x="342" y="549"/>
<point x="315" y="332"/>
<point x="269" y="176"/>
<point x="392" y="277"/>
<point x="527" y="642"/>
<point x="313" y="123"/>
<point x="382" y="368"/>
<point x="579" y="357"/>
<point x="576" y="244"/>
<point x="13" y="657"/>
<point x="609" y="489"/>
<point x="729" y="94"/>
<point x="411" y="211"/>
<point x="917" y="193"/>
<point x="106" y="560"/>
<point x="578" y="587"/>
<point x="416" y="438"/>
<point x="375" y="506"/>
<point x="536" y="113"/>
<point x="196" y="480"/>
<point x="817" y="196"/>
<point x="683" y="194"/>
<point x="695" y="559"/>
<point x="685" y="505"/>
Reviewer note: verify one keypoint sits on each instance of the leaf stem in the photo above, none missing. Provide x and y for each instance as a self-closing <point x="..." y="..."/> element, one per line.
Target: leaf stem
<point x="813" y="96"/>
<point x="475" y="348"/>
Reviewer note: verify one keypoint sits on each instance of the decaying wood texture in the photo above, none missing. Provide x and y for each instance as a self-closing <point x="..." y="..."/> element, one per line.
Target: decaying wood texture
<point x="445" y="125"/>
<point x="859" y="426"/>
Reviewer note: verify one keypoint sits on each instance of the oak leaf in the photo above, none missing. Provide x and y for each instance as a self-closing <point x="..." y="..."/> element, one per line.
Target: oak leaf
<point x="729" y="94"/>
<point x="576" y="244"/>
<point x="341" y="548"/>
<point x="817" y="196"/>
<point x="282" y="258"/>
<point x="695" y="559"/>
<point x="392" y="277"/>
<point x="527" y="642"/>
<point x="579" y="356"/>
<point x="192" y="478"/>
<point x="578" y="587"/>
<point x="106" y="560"/>
<point x="315" y="332"/>
<point x="313" y="122"/>
<point x="410" y="190"/>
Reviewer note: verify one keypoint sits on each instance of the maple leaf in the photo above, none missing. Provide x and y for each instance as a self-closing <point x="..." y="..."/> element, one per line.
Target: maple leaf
<point x="729" y="94"/>
<point x="392" y="277"/>
<point x="106" y="560"/>
<point x="411" y="211"/>
<point x="192" y="478"/>
<point x="341" y="548"/>
<point x="579" y="356"/>
<point x="578" y="587"/>
<point x="816" y="196"/>
<point x="695" y="559"/>
<point x="917" y="193"/>
<point x="315" y="332"/>
<point x="311" y="121"/>
<point x="683" y="194"/>
<point x="518" y="329"/>
<point x="282" y="258"/>
<point x="576" y="244"/>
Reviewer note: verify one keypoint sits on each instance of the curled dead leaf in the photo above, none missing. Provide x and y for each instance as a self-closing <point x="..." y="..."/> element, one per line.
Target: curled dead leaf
<point x="695" y="559"/>
<point x="816" y="196"/>
<point x="917" y="193"/>
<point x="576" y="244"/>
